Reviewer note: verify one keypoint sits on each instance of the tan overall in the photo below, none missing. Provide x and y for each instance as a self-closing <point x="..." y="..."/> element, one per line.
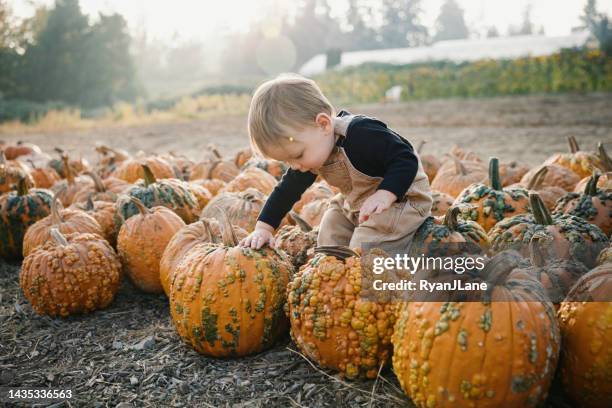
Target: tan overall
<point x="395" y="225"/>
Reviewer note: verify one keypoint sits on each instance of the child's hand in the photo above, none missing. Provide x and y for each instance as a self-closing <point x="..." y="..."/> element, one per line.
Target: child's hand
<point x="375" y="204"/>
<point x="262" y="235"/>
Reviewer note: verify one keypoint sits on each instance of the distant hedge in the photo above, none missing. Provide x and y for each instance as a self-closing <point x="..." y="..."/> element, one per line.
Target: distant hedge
<point x="26" y="111"/>
<point x="571" y="70"/>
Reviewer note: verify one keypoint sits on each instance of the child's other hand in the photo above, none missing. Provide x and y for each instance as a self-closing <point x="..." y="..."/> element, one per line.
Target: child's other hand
<point x="259" y="237"/>
<point x="375" y="204"/>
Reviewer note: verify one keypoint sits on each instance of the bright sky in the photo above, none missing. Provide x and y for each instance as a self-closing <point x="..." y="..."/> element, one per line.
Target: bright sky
<point x="200" y="19"/>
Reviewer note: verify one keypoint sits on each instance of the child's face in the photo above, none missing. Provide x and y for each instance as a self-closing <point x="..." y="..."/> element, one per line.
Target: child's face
<point x="311" y="146"/>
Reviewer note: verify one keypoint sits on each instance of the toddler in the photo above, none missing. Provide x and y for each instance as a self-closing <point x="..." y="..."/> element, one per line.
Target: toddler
<point x="384" y="192"/>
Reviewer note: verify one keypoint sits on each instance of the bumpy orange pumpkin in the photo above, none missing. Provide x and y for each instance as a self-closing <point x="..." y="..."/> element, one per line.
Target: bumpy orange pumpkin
<point x="491" y="202"/>
<point x="441" y="203"/>
<point x="141" y="242"/>
<point x="66" y="221"/>
<point x="252" y="177"/>
<point x="19" y="210"/>
<point x="227" y="301"/>
<point x="453" y="179"/>
<point x="242" y="208"/>
<point x="10" y="174"/>
<point x="604" y="183"/>
<point x="104" y="213"/>
<point x="131" y="170"/>
<point x="75" y="273"/>
<point x="586" y="327"/>
<point x="580" y="162"/>
<point x="296" y="240"/>
<point x="204" y="231"/>
<point x="498" y="351"/>
<point x="331" y="323"/>
<point x="557" y="176"/>
<point x="593" y="205"/>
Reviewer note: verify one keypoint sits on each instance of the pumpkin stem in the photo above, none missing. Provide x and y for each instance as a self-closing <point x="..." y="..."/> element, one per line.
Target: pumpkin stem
<point x="304" y="226"/>
<point x="538" y="178"/>
<point x="450" y="218"/>
<point x="498" y="268"/>
<point x="97" y="182"/>
<point x="140" y="206"/>
<point x="338" y="251"/>
<point x="420" y="147"/>
<point x="215" y="151"/>
<point x="535" y="249"/>
<point x="494" y="174"/>
<point x="573" y="144"/>
<point x="56" y="217"/>
<point x="591" y="186"/>
<point x="89" y="204"/>
<point x="22" y="187"/>
<point x="459" y="167"/>
<point x="211" y="235"/>
<point x="32" y="164"/>
<point x="58" y="237"/>
<point x="228" y="234"/>
<point x="212" y="167"/>
<point x="606" y="161"/>
<point x="149" y="177"/>
<point x="67" y="169"/>
<point x="540" y="212"/>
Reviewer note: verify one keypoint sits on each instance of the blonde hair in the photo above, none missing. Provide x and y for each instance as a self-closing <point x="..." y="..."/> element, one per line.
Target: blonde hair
<point x="287" y="102"/>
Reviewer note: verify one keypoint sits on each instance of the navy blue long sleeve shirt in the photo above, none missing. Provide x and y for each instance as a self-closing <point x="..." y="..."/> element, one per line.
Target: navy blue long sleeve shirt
<point x="371" y="147"/>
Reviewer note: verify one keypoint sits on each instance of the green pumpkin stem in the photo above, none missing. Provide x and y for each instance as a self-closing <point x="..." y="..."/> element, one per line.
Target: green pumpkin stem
<point x="538" y="178"/>
<point x="591" y="186"/>
<point x="540" y="212"/>
<point x="228" y="234"/>
<point x="149" y="177"/>
<point x="58" y="237"/>
<point x="338" y="251"/>
<point x="606" y="161"/>
<point x="494" y="174"/>
<point x="140" y="206"/>
<point x="535" y="250"/>
<point x="304" y="226"/>
<point x="22" y="187"/>
<point x="573" y="144"/>
<point x="450" y="218"/>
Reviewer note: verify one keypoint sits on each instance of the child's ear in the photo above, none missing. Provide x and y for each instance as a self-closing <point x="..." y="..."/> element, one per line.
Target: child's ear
<point x="324" y="120"/>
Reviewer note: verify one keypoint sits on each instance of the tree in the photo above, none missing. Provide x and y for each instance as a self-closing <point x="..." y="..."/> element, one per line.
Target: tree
<point x="360" y="35"/>
<point x="599" y="25"/>
<point x="450" y="24"/>
<point x="492" y="32"/>
<point x="527" y="27"/>
<point x="401" y="26"/>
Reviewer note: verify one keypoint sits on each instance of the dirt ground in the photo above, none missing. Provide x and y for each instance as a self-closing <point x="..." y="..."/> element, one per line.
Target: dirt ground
<point x="525" y="128"/>
<point x="130" y="355"/>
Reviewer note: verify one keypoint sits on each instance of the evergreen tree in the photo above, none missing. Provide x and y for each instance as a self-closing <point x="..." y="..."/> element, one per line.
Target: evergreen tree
<point x="360" y="36"/>
<point x="450" y="24"/>
<point x="402" y="27"/>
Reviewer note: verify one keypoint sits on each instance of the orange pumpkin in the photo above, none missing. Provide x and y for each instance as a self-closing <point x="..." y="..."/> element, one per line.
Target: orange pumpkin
<point x="44" y="177"/>
<point x="431" y="164"/>
<point x="141" y="242"/>
<point x="549" y="194"/>
<point x="104" y="213"/>
<point x="183" y="242"/>
<point x="252" y="177"/>
<point x="15" y="151"/>
<point x="68" y="189"/>
<point x="313" y="211"/>
<point x="96" y="191"/>
<point x="216" y="168"/>
<point x="10" y="174"/>
<point x="297" y="240"/>
<point x="202" y="195"/>
<point x="70" y="274"/>
<point x="273" y="167"/>
<point x="212" y="185"/>
<point x="242" y="156"/>
<point x="453" y="179"/>
<point x="499" y="350"/>
<point x="319" y="190"/>
<point x="331" y="322"/>
<point x="441" y="203"/>
<point x="65" y="220"/>
<point x="492" y="203"/>
<point x="242" y="208"/>
<point x="111" y="158"/>
<point x="604" y="183"/>
<point x="556" y="175"/>
<point x="585" y="319"/>
<point x="131" y="170"/>
<point x="512" y="172"/>
<point x="227" y="301"/>
<point x="580" y="162"/>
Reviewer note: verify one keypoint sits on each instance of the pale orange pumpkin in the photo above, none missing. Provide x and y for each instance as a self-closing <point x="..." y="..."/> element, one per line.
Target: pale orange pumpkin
<point x="242" y="208"/>
<point x="252" y="177"/>
<point x="452" y="179"/>
<point x="131" y="170"/>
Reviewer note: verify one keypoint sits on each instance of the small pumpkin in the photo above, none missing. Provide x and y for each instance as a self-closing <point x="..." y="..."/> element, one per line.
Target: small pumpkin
<point x="593" y="205"/>
<point x="492" y="203"/>
<point x="70" y="274"/>
<point x="580" y="162"/>
<point x="141" y="242"/>
<point x="431" y="164"/>
<point x="585" y="319"/>
<point x="227" y="301"/>
<point x="15" y="151"/>
<point x="204" y="231"/>
<point x="273" y="167"/>
<point x="604" y="183"/>
<point x="242" y="156"/>
<point x="216" y="168"/>
<point x="170" y="193"/>
<point x="18" y="211"/>
<point x="453" y="179"/>
<point x="212" y="185"/>
<point x="319" y="190"/>
<point x="110" y="159"/>
<point x="252" y="177"/>
<point x="65" y="220"/>
<point x="202" y="195"/>
<point x="296" y="240"/>
<point x="10" y="174"/>
<point x="449" y="235"/>
<point x="104" y="213"/>
<point x="131" y="170"/>
<point x="557" y="176"/>
<point x="242" y="208"/>
<point x="96" y="191"/>
<point x="572" y="237"/>
<point x="69" y="188"/>
<point x="512" y="172"/>
<point x="499" y="350"/>
<point x="441" y="203"/>
<point x="43" y="177"/>
<point x="313" y="211"/>
<point x="331" y="322"/>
